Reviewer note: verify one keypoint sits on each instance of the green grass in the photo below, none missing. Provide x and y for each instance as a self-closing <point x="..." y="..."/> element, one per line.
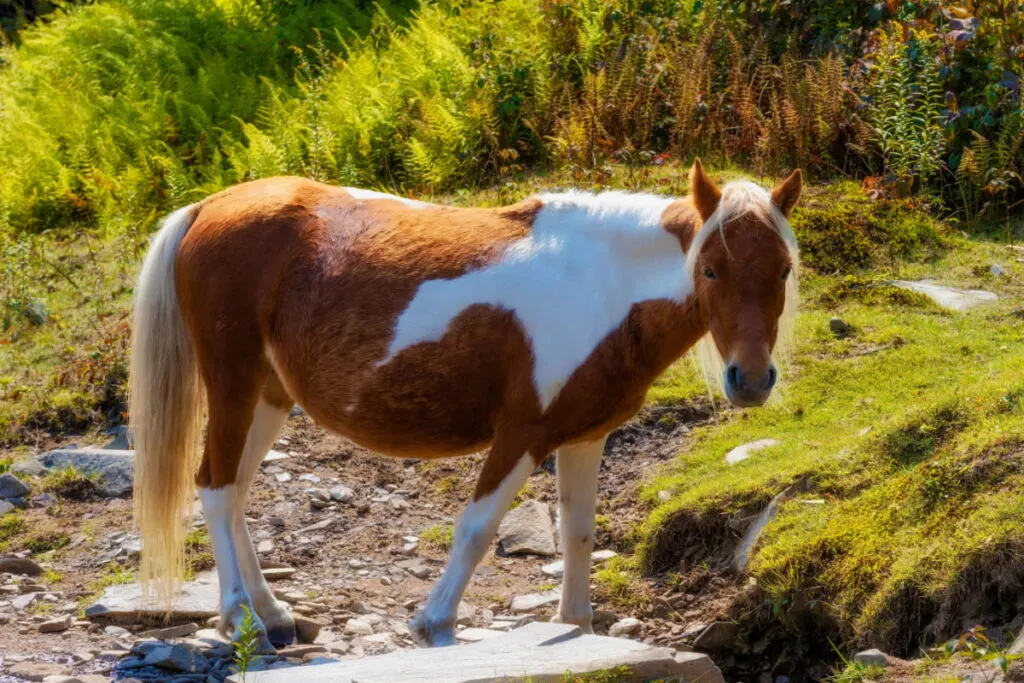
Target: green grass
<point x="438" y="536"/>
<point x="911" y="430"/>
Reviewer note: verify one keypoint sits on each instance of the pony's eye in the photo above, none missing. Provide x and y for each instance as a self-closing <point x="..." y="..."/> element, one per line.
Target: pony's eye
<point x="709" y="274"/>
<point x="786" y="272"/>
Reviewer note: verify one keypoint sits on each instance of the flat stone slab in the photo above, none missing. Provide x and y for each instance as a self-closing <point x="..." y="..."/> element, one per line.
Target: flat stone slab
<point x="197" y="601"/>
<point x="538" y="652"/>
<point x="948" y="297"/>
<point x="114" y="470"/>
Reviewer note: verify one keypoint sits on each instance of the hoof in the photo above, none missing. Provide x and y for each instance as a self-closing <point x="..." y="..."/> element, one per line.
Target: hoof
<point x="428" y="634"/>
<point x="282" y="635"/>
<point x="585" y="623"/>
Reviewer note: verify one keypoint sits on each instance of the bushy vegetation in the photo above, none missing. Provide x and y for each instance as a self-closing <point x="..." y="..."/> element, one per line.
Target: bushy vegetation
<point x="115" y="111"/>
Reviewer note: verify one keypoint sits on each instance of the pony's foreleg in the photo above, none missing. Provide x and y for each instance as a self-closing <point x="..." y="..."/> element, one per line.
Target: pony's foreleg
<point x="508" y="468"/>
<point x="266" y="425"/>
<point x="577" y="466"/>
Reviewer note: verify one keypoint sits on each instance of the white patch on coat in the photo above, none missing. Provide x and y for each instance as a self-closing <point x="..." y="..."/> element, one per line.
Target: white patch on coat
<point x="219" y="511"/>
<point x="587" y="260"/>
<point x="358" y="193"/>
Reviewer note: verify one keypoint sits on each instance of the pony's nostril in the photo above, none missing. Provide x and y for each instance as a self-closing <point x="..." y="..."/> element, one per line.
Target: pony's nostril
<point x="772" y="378"/>
<point x="732" y="376"/>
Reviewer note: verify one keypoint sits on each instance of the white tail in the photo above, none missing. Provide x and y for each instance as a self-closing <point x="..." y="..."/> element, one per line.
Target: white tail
<point x="165" y="408"/>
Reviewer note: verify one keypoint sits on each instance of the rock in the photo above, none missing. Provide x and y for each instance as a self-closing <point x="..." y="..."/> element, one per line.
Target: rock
<point x="273" y="456"/>
<point x="12" y="487"/>
<point x="527" y="529"/>
<point x="717" y="637"/>
<point x="22" y="602"/>
<point x="122" y="439"/>
<point x="7" y="506"/>
<point x="265" y="546"/>
<point x="300" y="651"/>
<point x="465" y="614"/>
<point x="556" y="569"/>
<point x="307" y="629"/>
<point x="197" y="601"/>
<point x="179" y="631"/>
<point x="531" y="601"/>
<point x="358" y="627"/>
<point x="29" y="468"/>
<point x="38" y="671"/>
<point x="997" y="270"/>
<point x="342" y="494"/>
<point x="113" y="470"/>
<point x="278" y="573"/>
<point x="11" y="564"/>
<point x="475" y="635"/>
<point x="283" y="477"/>
<point x="116" y="631"/>
<point x="741" y="453"/>
<point x="64" y="679"/>
<point x="176" y="658"/>
<point x="872" y="657"/>
<point x="56" y="625"/>
<point x="698" y="667"/>
<point x="948" y="297"/>
<point x="840" y="328"/>
<point x="290" y="595"/>
<point x="625" y="627"/>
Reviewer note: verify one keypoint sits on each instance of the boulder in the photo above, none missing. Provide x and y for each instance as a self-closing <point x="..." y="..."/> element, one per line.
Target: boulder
<point x="527" y="529"/>
<point x="113" y="470"/>
<point x="197" y="601"/>
<point x="12" y="564"/>
<point x="12" y="487"/>
<point x="625" y="627"/>
<point x="717" y="637"/>
<point x="872" y="657"/>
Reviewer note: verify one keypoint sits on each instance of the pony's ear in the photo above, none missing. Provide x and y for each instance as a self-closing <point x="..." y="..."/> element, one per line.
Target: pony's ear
<point x="704" y="193"/>
<point x="786" y="195"/>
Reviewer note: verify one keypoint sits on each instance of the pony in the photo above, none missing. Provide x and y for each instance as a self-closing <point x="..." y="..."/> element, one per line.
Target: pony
<point x="427" y="331"/>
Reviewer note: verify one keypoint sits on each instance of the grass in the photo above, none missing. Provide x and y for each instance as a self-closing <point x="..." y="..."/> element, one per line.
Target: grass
<point x="910" y="429"/>
<point x="438" y="536"/>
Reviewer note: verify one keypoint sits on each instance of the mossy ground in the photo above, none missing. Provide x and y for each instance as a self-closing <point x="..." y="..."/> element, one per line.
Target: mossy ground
<point x="910" y="429"/>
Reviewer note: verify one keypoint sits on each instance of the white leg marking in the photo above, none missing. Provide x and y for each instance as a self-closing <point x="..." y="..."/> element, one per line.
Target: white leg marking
<point x="577" y="467"/>
<point x="218" y="509"/>
<point x="475" y="530"/>
<point x="266" y="425"/>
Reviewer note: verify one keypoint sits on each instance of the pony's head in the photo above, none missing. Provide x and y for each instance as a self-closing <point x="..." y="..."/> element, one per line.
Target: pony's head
<point x="743" y="261"/>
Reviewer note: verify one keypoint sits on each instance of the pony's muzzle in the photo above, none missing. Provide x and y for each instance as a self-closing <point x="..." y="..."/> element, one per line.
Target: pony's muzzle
<point x="748" y="390"/>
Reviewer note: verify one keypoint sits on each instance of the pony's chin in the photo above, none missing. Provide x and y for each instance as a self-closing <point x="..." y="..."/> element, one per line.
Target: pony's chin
<point x="748" y="399"/>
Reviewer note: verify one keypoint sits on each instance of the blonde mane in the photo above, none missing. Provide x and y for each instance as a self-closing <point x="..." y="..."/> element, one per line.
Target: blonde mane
<point x="739" y="199"/>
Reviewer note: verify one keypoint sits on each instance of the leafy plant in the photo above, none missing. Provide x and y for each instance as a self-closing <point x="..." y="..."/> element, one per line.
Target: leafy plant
<point x="245" y="645"/>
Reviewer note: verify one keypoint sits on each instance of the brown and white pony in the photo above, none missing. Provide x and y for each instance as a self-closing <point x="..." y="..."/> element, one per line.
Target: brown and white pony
<point x="430" y="331"/>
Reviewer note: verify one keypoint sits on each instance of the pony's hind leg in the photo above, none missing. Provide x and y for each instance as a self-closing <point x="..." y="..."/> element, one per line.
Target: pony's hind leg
<point x="504" y="472"/>
<point x="232" y="394"/>
<point x="268" y="418"/>
<point x="577" y="467"/>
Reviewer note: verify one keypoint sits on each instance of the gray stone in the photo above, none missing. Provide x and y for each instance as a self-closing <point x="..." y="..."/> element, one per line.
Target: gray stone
<point x="7" y="506"/>
<point x="11" y="564"/>
<point x="55" y="625"/>
<point x="531" y="601"/>
<point x="38" y="671"/>
<point x="556" y="569"/>
<point x="839" y="327"/>
<point x="12" y="487"/>
<point x="29" y="467"/>
<point x="475" y="635"/>
<point x="342" y="494"/>
<point x="179" y="631"/>
<point x="741" y="453"/>
<point x="358" y="627"/>
<point x="948" y="297"/>
<point x="997" y="270"/>
<point x="197" y="601"/>
<point x="22" y="602"/>
<point x="717" y="637"/>
<point x="113" y="470"/>
<point x="307" y="629"/>
<point x="122" y="439"/>
<point x="872" y="657"/>
<point x="177" y="658"/>
<point x="278" y="573"/>
<point x="538" y="651"/>
<point x="527" y="529"/>
<point x="625" y="627"/>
